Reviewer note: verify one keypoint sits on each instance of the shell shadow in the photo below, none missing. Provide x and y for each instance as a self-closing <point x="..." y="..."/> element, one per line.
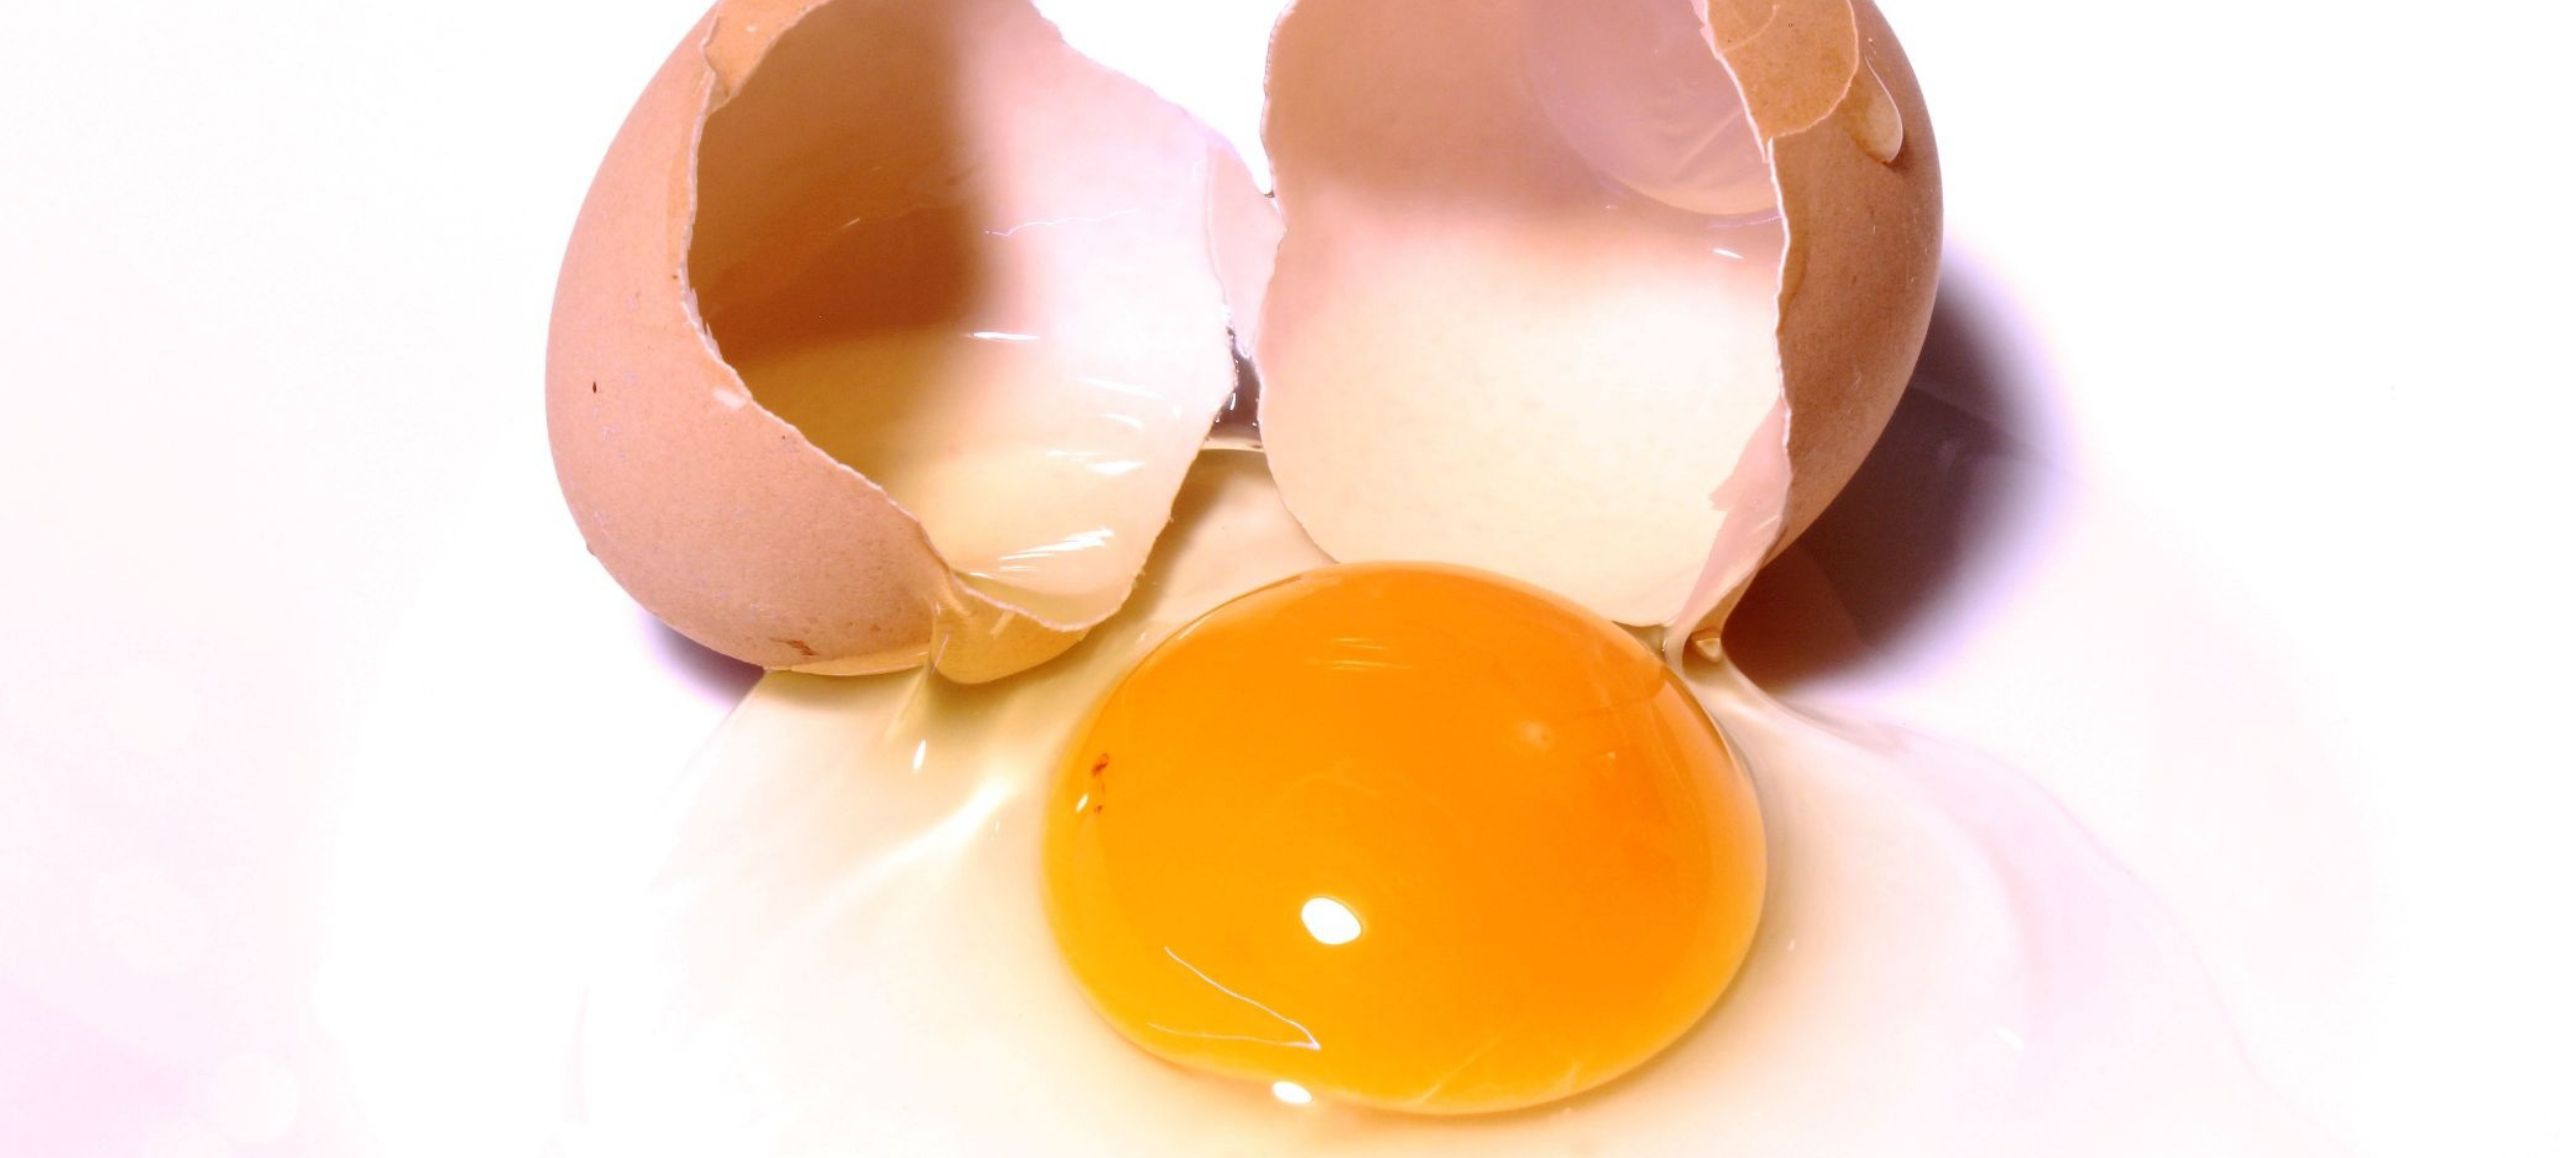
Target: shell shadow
<point x="1953" y="486"/>
<point x="707" y="671"/>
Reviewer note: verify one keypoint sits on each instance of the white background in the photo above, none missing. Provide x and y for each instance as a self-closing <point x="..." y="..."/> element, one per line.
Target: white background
<point x="2245" y="387"/>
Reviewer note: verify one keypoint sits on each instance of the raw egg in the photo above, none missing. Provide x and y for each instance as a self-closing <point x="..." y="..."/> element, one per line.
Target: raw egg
<point x="889" y="337"/>
<point x="1415" y="837"/>
<point x="840" y="945"/>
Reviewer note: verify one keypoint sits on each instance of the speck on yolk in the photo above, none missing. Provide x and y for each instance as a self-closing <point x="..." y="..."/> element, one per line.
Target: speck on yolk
<point x="1413" y="837"/>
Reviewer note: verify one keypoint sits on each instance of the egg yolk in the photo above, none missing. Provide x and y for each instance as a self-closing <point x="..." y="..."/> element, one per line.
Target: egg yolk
<point x="1413" y="837"/>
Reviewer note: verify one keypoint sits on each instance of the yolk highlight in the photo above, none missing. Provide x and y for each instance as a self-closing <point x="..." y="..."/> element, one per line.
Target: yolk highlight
<point x="1413" y="837"/>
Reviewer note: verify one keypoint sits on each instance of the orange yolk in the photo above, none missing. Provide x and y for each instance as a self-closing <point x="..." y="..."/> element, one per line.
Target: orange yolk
<point x="1413" y="837"/>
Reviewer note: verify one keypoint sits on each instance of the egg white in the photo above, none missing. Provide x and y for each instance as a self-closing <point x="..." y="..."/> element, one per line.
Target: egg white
<point x="843" y="951"/>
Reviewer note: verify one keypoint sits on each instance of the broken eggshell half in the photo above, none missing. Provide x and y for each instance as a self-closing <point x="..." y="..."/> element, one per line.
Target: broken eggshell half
<point x="1609" y="297"/>
<point x="889" y="331"/>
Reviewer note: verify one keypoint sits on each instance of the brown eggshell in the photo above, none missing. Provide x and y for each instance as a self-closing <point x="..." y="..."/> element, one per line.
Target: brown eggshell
<point x="1861" y="194"/>
<point x="1836" y="105"/>
<point x="725" y="519"/>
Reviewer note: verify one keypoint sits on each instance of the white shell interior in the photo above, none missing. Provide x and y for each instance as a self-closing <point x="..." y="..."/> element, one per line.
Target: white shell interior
<point x="1525" y="313"/>
<point x="970" y="263"/>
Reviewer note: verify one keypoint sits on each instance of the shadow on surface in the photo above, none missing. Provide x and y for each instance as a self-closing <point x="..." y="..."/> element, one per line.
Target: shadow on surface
<point x="705" y="670"/>
<point x="1912" y="535"/>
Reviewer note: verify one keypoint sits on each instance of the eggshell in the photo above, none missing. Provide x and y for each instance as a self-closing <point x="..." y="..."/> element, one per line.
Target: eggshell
<point x="1857" y="171"/>
<point x="1633" y="400"/>
<point x="1080" y="198"/>
<point x="1477" y="350"/>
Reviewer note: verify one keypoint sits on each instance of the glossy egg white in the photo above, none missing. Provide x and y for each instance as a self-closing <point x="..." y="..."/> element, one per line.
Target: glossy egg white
<point x="842" y="948"/>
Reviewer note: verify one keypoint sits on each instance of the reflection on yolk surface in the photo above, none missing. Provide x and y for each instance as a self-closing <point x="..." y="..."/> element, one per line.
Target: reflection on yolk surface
<point x="1415" y="837"/>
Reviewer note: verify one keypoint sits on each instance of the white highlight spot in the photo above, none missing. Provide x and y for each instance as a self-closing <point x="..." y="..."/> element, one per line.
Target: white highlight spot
<point x="1001" y="336"/>
<point x="1094" y="540"/>
<point x="1292" y="1093"/>
<point x="2010" y="1038"/>
<point x="1330" y="921"/>
<point x="917" y="764"/>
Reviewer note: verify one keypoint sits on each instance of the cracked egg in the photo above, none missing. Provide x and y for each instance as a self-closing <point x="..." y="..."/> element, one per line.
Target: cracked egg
<point x="890" y="331"/>
<point x="1271" y="610"/>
